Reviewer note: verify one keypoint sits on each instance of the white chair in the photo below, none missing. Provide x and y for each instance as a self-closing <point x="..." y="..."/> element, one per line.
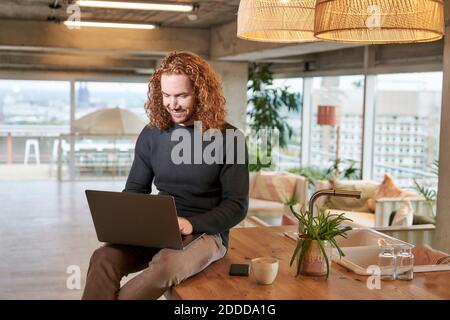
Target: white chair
<point x="35" y="144"/>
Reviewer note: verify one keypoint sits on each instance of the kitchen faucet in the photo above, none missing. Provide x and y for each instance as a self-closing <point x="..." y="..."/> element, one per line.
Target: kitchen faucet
<point x="332" y="193"/>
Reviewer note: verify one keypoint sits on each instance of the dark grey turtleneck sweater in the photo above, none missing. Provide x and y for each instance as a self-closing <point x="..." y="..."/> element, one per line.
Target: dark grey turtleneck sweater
<point x="213" y="197"/>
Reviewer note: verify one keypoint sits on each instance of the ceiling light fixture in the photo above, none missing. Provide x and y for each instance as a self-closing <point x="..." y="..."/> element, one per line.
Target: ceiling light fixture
<point x="138" y="6"/>
<point x="109" y="25"/>
<point x="377" y="22"/>
<point x="282" y="21"/>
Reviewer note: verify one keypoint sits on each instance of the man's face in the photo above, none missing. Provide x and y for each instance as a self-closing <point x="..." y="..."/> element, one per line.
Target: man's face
<point x="178" y="97"/>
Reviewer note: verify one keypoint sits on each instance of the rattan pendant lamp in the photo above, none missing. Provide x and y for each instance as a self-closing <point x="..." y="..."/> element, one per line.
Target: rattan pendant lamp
<point x="379" y="21"/>
<point x="284" y="21"/>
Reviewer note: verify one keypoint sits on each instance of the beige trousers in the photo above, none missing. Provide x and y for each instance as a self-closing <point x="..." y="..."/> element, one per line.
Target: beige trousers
<point x="163" y="268"/>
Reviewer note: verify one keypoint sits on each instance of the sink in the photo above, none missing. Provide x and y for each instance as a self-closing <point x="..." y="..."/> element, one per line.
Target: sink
<point x="363" y="237"/>
<point x="361" y="248"/>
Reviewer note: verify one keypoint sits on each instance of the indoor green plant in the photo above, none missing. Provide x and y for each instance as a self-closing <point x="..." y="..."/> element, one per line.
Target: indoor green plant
<point x="267" y="104"/>
<point x="429" y="194"/>
<point x="288" y="203"/>
<point x="339" y="170"/>
<point x="342" y="170"/>
<point x="319" y="233"/>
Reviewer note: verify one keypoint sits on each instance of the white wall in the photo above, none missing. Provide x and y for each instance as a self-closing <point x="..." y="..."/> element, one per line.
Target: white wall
<point x="442" y="235"/>
<point x="234" y="80"/>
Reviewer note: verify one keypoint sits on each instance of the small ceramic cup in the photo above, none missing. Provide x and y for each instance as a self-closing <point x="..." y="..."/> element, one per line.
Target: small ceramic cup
<point x="265" y="269"/>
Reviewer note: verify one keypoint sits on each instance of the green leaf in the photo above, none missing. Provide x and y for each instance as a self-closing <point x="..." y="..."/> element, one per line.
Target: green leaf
<point x="297" y="248"/>
<point x="322" y="227"/>
<point x="266" y="102"/>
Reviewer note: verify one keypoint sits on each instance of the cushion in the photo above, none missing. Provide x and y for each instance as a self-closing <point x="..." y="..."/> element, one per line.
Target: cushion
<point x="421" y="219"/>
<point x="425" y="255"/>
<point x="274" y="186"/>
<point x="387" y="189"/>
<point x="360" y="219"/>
<point x="351" y="204"/>
<point x="288" y="221"/>
<point x="403" y="215"/>
<point x="418" y="219"/>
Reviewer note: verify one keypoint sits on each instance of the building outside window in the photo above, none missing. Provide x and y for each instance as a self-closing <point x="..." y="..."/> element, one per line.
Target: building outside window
<point x="346" y="93"/>
<point x="32" y="115"/>
<point x="109" y="154"/>
<point x="410" y="105"/>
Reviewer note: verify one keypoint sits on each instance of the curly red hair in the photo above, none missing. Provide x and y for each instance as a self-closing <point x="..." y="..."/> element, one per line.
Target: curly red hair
<point x="209" y="98"/>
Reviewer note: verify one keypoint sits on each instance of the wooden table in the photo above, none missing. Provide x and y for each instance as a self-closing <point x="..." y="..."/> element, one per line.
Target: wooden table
<point x="247" y="243"/>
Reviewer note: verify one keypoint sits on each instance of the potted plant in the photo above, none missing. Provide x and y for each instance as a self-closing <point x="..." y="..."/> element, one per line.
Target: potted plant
<point x="314" y="244"/>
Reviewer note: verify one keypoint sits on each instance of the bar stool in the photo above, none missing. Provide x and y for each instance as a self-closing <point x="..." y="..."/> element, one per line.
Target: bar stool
<point x="35" y="144"/>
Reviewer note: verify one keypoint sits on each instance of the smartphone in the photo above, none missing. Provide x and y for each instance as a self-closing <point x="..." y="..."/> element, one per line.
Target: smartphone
<point x="239" y="269"/>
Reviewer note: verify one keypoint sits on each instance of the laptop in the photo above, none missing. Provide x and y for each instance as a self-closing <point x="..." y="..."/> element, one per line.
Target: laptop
<point x="137" y="219"/>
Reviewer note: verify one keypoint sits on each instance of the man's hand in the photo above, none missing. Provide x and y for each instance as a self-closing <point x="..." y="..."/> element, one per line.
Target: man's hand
<point x="185" y="226"/>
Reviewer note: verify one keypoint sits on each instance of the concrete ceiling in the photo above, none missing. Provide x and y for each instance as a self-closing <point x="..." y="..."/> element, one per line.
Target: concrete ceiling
<point x="32" y="37"/>
<point x="210" y="13"/>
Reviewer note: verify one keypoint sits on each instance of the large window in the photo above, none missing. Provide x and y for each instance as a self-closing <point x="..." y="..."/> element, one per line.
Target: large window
<point x="92" y="96"/>
<point x="35" y="117"/>
<point x="32" y="114"/>
<point x="35" y="103"/>
<point x="346" y="93"/>
<point x="109" y="151"/>
<point x="290" y="156"/>
<point x="406" y="145"/>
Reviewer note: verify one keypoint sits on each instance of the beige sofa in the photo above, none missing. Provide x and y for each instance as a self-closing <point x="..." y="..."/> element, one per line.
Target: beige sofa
<point x="359" y="212"/>
<point x="265" y="200"/>
<point x="379" y="220"/>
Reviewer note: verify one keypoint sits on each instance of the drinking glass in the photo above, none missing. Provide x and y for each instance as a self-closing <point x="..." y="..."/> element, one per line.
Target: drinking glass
<point x="405" y="263"/>
<point x="387" y="262"/>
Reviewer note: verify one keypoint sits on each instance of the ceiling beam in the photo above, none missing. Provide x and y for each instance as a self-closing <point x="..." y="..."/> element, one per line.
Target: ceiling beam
<point x="226" y="46"/>
<point x="418" y="57"/>
<point x="56" y="36"/>
<point x="79" y="62"/>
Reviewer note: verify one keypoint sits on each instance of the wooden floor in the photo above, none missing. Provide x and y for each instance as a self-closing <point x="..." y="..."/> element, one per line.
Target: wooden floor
<point x="17" y="171"/>
<point x="45" y="226"/>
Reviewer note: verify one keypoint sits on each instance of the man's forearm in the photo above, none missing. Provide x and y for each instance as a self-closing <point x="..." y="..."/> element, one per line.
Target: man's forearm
<point x="222" y="218"/>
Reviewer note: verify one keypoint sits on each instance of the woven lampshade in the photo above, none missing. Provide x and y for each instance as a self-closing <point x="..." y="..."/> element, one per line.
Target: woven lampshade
<point x="276" y="20"/>
<point x="379" y="21"/>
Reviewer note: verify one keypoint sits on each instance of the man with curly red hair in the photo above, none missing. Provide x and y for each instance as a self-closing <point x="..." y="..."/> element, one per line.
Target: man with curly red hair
<point x="210" y="198"/>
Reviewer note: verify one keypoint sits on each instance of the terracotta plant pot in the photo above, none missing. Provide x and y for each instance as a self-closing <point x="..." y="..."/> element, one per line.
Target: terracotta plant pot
<point x="314" y="263"/>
